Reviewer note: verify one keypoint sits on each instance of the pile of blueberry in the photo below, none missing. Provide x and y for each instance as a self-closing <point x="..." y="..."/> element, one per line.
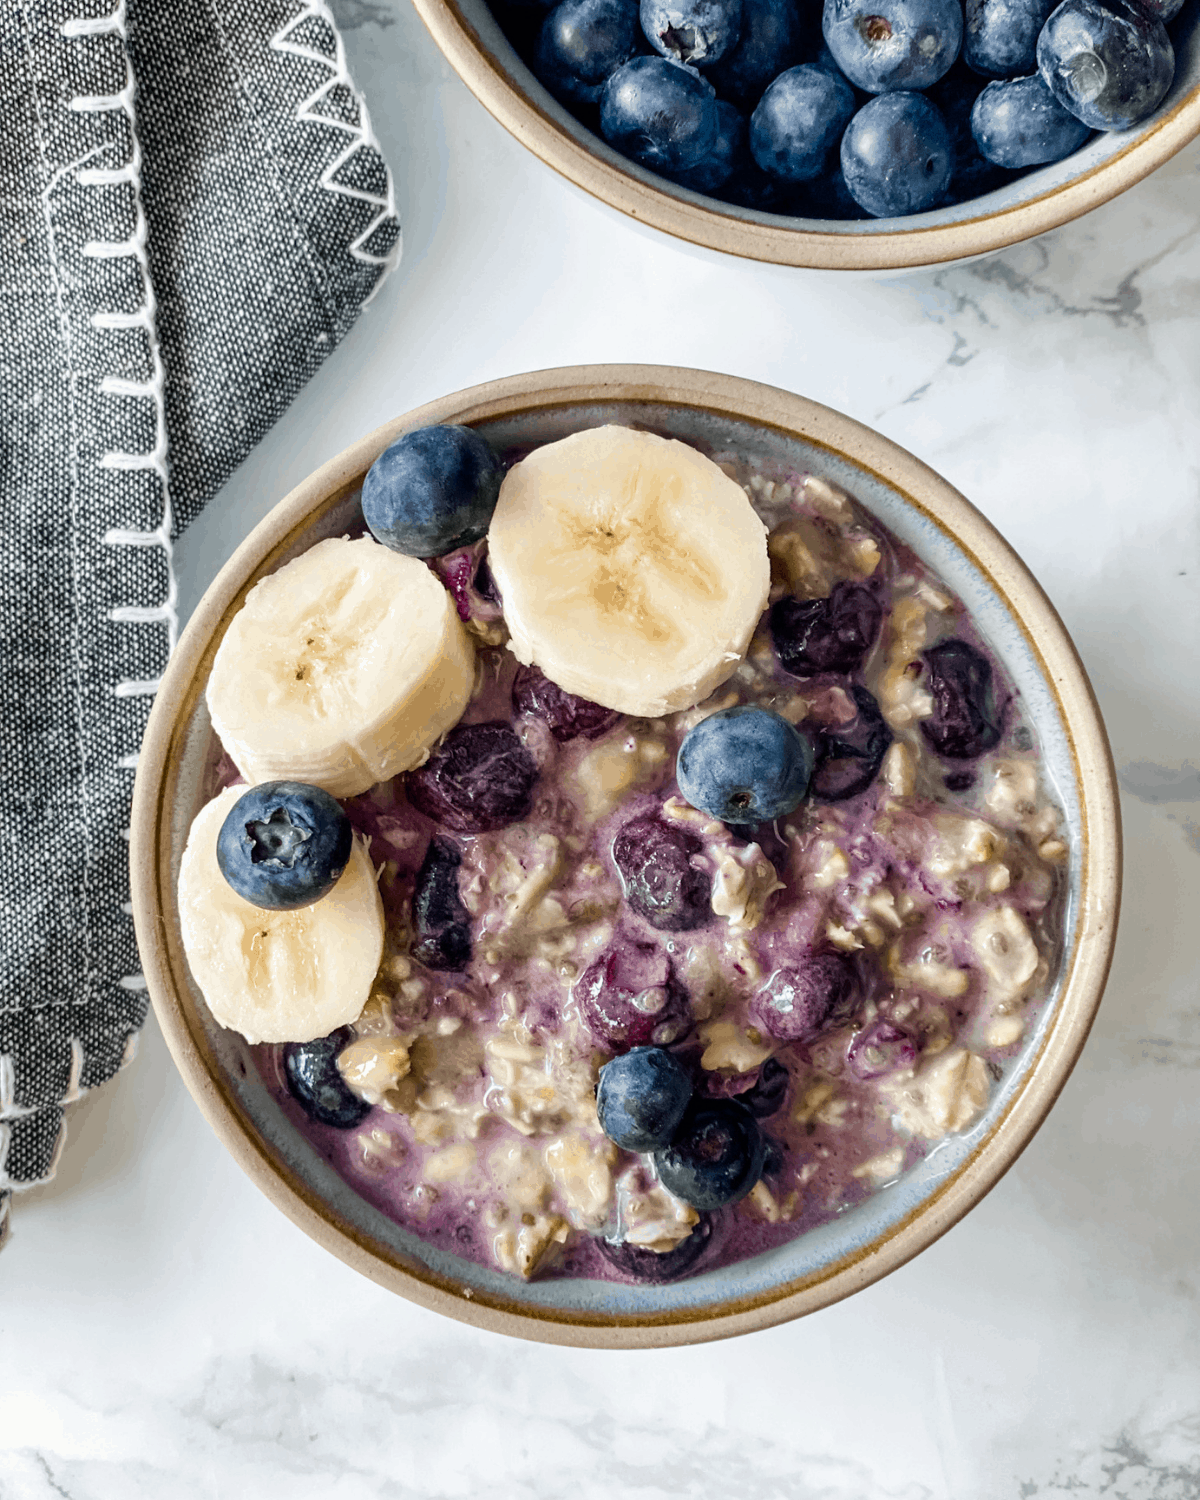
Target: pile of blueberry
<point x="870" y="108"/>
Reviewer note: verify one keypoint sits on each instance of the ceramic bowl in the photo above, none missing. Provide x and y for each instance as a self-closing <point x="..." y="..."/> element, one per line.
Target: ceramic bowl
<point x="476" y="47"/>
<point x="174" y="778"/>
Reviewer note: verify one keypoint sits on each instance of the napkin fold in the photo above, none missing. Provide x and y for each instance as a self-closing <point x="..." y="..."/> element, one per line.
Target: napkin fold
<point x="195" y="210"/>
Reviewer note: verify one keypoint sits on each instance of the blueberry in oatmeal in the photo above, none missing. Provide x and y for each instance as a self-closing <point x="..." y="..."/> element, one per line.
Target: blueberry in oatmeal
<point x="801" y="998"/>
<point x="698" y="32"/>
<point x="850" y="752"/>
<point x="716" y="1156"/>
<point x="832" y="634"/>
<point x="630" y="995"/>
<point x="663" y="880"/>
<point x="284" y="845"/>
<point x="566" y="715"/>
<point x="744" y="765"/>
<point x="641" y="1097"/>
<point x="766" y="1095"/>
<point x="660" y="113"/>
<point x="431" y="491"/>
<point x="441" y="923"/>
<point x="882" y="1047"/>
<point x="316" y="1085"/>
<point x="657" y="1267"/>
<point x="965" y="720"/>
<point x="480" y="778"/>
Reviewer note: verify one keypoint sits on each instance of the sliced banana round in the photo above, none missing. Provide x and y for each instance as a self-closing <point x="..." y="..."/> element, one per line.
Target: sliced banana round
<point x="277" y="976"/>
<point x="341" y="669"/>
<point x="633" y="570"/>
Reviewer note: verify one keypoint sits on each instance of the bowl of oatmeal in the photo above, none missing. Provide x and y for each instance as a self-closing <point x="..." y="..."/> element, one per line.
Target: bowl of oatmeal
<point x="868" y="1002"/>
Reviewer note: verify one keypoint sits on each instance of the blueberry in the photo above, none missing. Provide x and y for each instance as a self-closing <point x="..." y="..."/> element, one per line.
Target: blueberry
<point x="716" y="1156"/>
<point x="1110" y="64"/>
<point x="766" y="1095"/>
<point x="1019" y="123"/>
<point x="433" y="490"/>
<point x="849" y="755"/>
<point x="641" y="1264"/>
<point x="284" y="844"/>
<point x="479" y="778"/>
<point x="897" y="156"/>
<point x="629" y="996"/>
<point x="441" y="922"/>
<point x="566" y="716"/>
<point x="770" y="41"/>
<point x="1000" y="36"/>
<point x="313" y="1080"/>
<point x="661" y="881"/>
<point x="828" y="197"/>
<point x="965" y="721"/>
<point x="582" y="42"/>
<point x="659" y="113"/>
<point x="692" y="31"/>
<point x="882" y="45"/>
<point x="973" y="175"/>
<point x="744" y="765"/>
<point x="729" y="156"/>
<point x="882" y="1047"/>
<point x="800" y="999"/>
<point x="826" y="635"/>
<point x="641" y="1097"/>
<point x="798" y="122"/>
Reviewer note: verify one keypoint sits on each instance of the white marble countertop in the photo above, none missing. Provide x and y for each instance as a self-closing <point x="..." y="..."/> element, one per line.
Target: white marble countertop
<point x="166" y="1332"/>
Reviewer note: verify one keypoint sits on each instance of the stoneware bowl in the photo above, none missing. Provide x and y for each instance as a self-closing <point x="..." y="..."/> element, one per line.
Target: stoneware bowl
<point x="174" y="779"/>
<point x="1043" y="199"/>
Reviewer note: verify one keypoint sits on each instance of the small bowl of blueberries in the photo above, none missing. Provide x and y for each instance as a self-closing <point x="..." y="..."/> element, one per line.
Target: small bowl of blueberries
<point x="858" y="134"/>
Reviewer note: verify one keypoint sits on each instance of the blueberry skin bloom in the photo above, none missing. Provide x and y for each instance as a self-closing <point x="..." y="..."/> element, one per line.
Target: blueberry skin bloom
<point x="882" y="45"/>
<point x="1110" y="65"/>
<point x="729" y="155"/>
<point x="1018" y="122"/>
<point x="641" y="1098"/>
<point x="897" y="156"/>
<point x="313" y="1080"/>
<point x="799" y="120"/>
<point x="769" y="42"/>
<point x="433" y="490"/>
<point x="1000" y="37"/>
<point x="716" y="1156"/>
<point x="692" y="31"/>
<point x="582" y="42"/>
<point x="659" y="113"/>
<point x="284" y="845"/>
<point x="744" y="765"/>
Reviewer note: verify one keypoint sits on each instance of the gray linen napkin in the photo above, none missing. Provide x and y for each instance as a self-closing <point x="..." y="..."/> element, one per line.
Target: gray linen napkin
<point x="194" y="209"/>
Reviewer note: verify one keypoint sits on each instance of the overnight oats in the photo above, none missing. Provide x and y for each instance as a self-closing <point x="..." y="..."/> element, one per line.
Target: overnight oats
<point x="623" y="859"/>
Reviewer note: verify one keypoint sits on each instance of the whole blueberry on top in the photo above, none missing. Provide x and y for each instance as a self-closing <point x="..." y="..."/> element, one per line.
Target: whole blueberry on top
<point x="801" y="998"/>
<point x="433" y="490"/>
<point x="284" y="844"/>
<point x="771" y="39"/>
<point x="744" y="765"/>
<point x="1017" y="122"/>
<point x="848" y="756"/>
<point x="1000" y="36"/>
<point x="478" y="779"/>
<point x="566" y="715"/>
<point x="716" y="1155"/>
<point x="659" y="113"/>
<point x="641" y="1097"/>
<point x="826" y="635"/>
<point x="582" y="42"/>
<point x="882" y="45"/>
<point x="1110" y="64"/>
<point x="965" y="720"/>
<point x="657" y="863"/>
<point x="692" y="31"/>
<point x="313" y="1080"/>
<point x="798" y="122"/>
<point x="897" y="155"/>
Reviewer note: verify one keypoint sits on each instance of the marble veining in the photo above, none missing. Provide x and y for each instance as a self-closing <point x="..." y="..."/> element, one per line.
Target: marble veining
<point x="165" y="1332"/>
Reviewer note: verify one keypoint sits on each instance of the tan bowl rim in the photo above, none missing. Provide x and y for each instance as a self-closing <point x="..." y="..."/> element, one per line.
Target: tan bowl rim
<point x="765" y="406"/>
<point x="715" y="227"/>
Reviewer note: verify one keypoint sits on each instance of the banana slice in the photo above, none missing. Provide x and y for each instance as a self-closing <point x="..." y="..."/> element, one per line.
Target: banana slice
<point x="633" y="571"/>
<point x="341" y="669"/>
<point x="277" y="976"/>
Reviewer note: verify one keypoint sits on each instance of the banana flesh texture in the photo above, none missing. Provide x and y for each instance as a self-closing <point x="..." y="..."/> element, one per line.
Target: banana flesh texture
<point x="633" y="570"/>
<point x="277" y="976"/>
<point x="342" y="669"/>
